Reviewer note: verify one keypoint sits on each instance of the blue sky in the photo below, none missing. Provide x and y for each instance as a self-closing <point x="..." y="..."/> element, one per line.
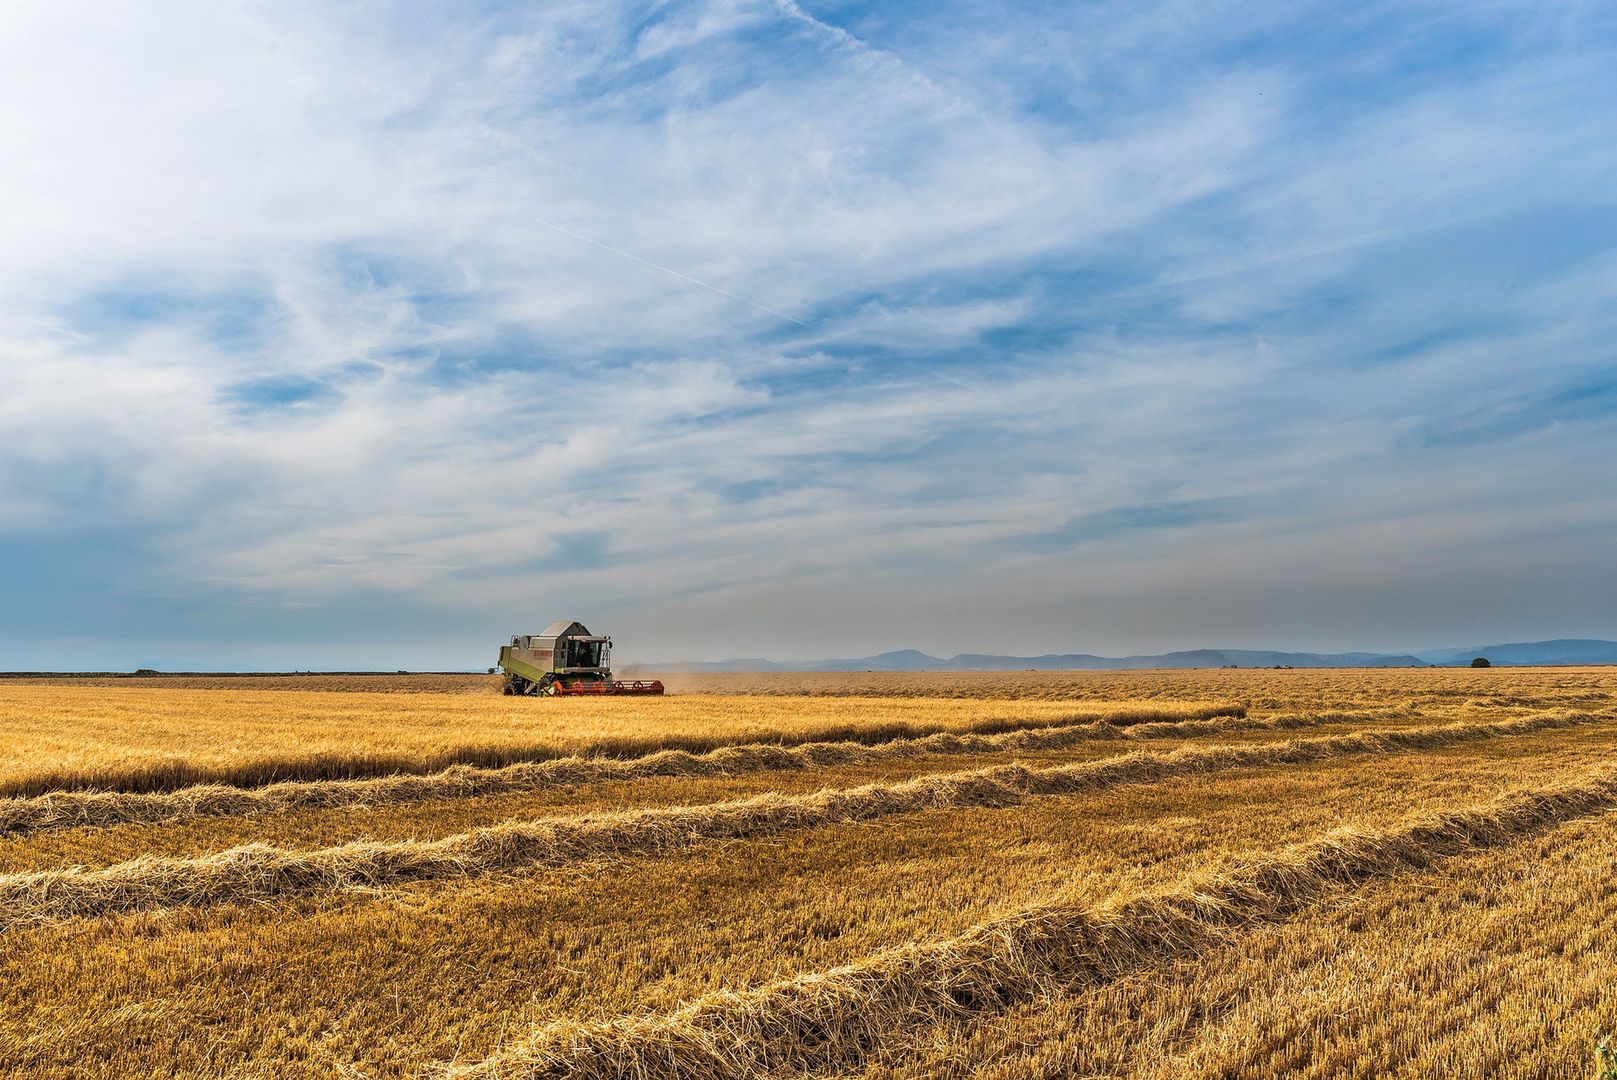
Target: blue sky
<point x="365" y="337"/>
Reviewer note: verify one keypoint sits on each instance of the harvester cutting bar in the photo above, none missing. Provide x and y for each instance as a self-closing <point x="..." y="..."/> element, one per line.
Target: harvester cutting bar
<point x="638" y="686"/>
<point x="634" y="686"/>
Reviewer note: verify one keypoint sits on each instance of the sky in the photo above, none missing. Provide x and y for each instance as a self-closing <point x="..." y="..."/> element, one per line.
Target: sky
<point x="367" y="335"/>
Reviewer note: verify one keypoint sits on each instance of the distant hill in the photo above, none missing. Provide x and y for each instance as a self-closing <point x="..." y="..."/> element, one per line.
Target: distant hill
<point x="1562" y="651"/>
<point x="1559" y="651"/>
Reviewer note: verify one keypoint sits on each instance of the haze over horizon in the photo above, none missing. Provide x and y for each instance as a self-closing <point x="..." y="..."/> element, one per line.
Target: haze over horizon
<point x="367" y="337"/>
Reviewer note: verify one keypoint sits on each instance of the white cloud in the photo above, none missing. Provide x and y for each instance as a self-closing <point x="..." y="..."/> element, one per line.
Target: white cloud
<point x="1125" y="237"/>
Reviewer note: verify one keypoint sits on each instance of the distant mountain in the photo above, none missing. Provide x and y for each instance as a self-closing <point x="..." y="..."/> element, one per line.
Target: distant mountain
<point x="902" y="660"/>
<point x="1193" y="658"/>
<point x="912" y="660"/>
<point x="1564" y="651"/>
<point x="1572" y="651"/>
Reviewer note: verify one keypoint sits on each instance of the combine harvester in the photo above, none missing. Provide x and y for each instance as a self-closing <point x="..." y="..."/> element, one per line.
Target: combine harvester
<point x="566" y="659"/>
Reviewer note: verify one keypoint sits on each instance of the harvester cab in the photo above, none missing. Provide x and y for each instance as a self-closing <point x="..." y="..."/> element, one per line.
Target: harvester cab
<point x="566" y="659"/>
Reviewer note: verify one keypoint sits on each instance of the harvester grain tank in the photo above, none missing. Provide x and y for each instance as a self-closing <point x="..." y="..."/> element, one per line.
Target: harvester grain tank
<point x="565" y="659"/>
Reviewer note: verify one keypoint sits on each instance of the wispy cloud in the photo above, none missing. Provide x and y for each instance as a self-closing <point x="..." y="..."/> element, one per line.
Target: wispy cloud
<point x="798" y="328"/>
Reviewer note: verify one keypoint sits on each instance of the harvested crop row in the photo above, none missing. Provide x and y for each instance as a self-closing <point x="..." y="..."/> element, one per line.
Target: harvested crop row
<point x="258" y="872"/>
<point x="1499" y="963"/>
<point x="69" y="809"/>
<point x="141" y="742"/>
<point x="835" y="1019"/>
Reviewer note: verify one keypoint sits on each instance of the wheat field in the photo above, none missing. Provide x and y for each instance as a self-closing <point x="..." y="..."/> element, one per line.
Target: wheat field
<point x="1007" y="875"/>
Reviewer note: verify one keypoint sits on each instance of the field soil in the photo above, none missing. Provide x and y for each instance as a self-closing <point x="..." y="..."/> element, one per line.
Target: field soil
<point x="1007" y="875"/>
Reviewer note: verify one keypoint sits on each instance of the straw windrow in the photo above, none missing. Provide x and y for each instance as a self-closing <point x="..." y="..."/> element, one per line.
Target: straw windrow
<point x="254" y="772"/>
<point x="256" y="873"/>
<point x="834" y="1020"/>
<point x="69" y="809"/>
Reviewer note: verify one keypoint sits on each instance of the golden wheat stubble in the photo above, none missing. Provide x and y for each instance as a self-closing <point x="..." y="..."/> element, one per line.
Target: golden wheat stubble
<point x="1491" y="965"/>
<point x="466" y="963"/>
<point x="443" y="970"/>
<point x="97" y="827"/>
<point x="839" y="1017"/>
<point x="69" y="737"/>
<point x="260" y="872"/>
